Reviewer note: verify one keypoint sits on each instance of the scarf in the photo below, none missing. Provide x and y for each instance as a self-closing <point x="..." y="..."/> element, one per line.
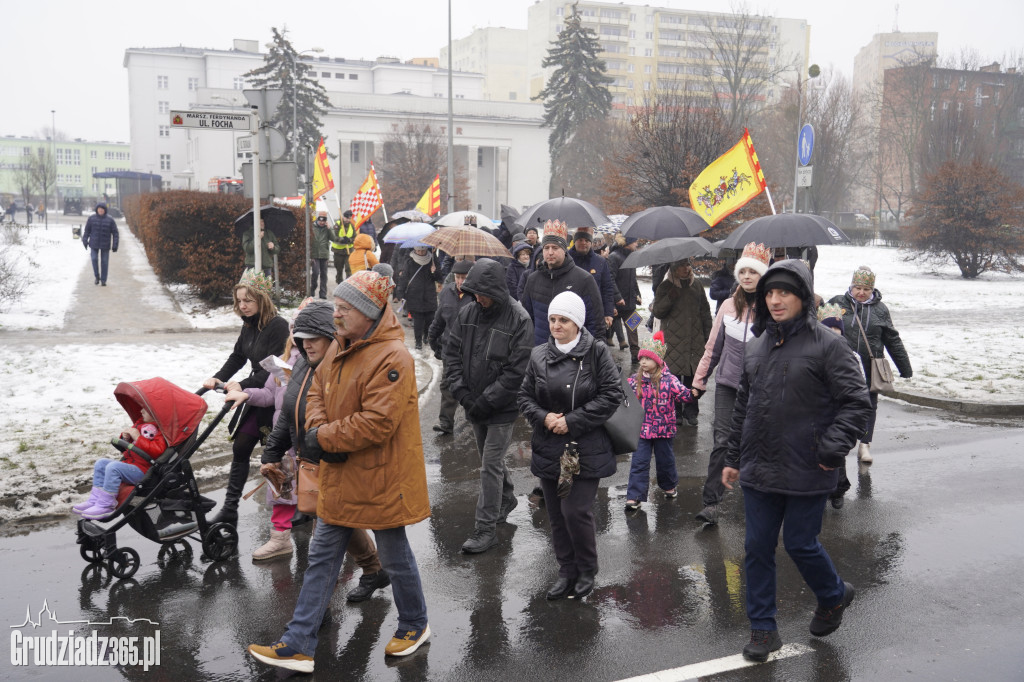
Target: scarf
<point x="421" y="260"/>
<point x="566" y="347"/>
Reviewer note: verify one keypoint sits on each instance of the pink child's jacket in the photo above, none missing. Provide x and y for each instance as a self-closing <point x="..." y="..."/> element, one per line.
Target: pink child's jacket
<point x="660" y="409"/>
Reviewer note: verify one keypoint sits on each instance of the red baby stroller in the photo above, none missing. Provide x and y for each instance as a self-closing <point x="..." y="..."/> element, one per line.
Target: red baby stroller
<point x="165" y="506"/>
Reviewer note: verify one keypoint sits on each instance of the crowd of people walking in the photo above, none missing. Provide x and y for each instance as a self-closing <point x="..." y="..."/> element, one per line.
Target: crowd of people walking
<point x="533" y="335"/>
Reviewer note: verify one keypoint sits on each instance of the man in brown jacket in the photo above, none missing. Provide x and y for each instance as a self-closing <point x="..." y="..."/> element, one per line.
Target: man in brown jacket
<point x="362" y="417"/>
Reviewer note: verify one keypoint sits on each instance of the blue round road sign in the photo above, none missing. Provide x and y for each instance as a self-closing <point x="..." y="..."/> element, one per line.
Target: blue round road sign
<point x="805" y="145"/>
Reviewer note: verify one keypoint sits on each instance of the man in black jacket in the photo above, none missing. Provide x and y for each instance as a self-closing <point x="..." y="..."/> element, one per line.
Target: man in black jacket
<point x="801" y="405"/>
<point x="450" y="302"/>
<point x="101" y="236"/>
<point x="555" y="274"/>
<point x="486" y="357"/>
<point x="629" y="290"/>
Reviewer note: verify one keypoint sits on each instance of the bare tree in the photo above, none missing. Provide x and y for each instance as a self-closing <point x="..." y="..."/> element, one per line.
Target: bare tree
<point x="668" y="140"/>
<point x="44" y="173"/>
<point x="413" y="153"/>
<point x="738" y="71"/>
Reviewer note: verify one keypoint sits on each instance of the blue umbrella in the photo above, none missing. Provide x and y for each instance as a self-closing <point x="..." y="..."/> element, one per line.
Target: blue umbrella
<point x="408" y="231"/>
<point x="414" y="244"/>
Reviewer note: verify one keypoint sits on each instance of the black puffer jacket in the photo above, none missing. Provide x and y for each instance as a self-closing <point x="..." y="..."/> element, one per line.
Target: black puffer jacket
<point x="416" y="284"/>
<point x="802" y="401"/>
<point x="878" y="327"/>
<point x="625" y="280"/>
<point x="582" y="384"/>
<point x="254" y="345"/>
<point x="100" y="230"/>
<point x="290" y="430"/>
<point x="489" y="348"/>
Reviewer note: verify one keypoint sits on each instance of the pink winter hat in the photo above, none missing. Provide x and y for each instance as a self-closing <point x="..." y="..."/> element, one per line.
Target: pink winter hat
<point x="653" y="349"/>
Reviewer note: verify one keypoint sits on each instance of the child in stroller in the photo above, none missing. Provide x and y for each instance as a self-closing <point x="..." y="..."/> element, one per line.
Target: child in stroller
<point x="107" y="474"/>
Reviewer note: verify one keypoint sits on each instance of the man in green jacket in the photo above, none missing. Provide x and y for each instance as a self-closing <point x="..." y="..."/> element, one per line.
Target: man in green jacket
<point x="319" y="251"/>
<point x="266" y="251"/>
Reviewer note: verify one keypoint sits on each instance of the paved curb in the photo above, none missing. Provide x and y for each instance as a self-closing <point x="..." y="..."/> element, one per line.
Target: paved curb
<point x="964" y="407"/>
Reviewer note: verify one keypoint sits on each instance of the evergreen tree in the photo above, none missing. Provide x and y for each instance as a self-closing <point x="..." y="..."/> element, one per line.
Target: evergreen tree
<point x="284" y="69"/>
<point x="578" y="89"/>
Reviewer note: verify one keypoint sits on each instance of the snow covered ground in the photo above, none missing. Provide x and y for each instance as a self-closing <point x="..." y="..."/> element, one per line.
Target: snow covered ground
<point x="58" y="412"/>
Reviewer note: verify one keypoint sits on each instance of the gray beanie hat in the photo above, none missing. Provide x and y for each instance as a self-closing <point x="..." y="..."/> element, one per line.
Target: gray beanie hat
<point x="367" y="291"/>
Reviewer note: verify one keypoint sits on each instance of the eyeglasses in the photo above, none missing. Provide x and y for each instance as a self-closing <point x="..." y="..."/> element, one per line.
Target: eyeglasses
<point x="343" y="309"/>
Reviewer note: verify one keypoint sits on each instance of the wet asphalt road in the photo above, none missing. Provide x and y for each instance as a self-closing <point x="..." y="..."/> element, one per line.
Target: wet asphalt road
<point x="930" y="536"/>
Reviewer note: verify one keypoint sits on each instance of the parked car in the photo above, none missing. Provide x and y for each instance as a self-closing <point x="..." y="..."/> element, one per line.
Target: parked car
<point x="861" y="219"/>
<point x="72" y="206"/>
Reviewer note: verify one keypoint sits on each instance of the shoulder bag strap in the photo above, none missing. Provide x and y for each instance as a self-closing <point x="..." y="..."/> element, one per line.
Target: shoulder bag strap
<point x="866" y="344"/>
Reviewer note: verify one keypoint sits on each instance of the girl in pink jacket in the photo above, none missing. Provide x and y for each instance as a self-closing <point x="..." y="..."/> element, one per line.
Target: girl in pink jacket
<point x="658" y="390"/>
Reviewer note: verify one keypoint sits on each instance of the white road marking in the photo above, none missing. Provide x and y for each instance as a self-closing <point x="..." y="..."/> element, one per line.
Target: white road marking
<point x="717" y="666"/>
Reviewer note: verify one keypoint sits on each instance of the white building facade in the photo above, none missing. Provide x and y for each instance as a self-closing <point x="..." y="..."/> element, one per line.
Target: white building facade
<point x="500" y="145"/>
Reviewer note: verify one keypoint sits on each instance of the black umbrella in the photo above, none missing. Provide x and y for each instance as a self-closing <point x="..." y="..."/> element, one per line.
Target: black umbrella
<point x="669" y="251"/>
<point x="786" y="229"/>
<point x="280" y="221"/>
<point x="573" y="212"/>
<point x="662" y="222"/>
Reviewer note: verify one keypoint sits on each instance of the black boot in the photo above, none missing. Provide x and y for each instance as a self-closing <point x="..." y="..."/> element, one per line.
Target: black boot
<point x="236" y="481"/>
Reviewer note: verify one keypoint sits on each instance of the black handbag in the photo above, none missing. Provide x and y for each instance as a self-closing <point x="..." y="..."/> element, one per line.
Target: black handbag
<point x="624" y="426"/>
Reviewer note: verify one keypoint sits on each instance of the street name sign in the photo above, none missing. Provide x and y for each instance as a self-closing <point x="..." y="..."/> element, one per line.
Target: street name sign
<point x="211" y="120"/>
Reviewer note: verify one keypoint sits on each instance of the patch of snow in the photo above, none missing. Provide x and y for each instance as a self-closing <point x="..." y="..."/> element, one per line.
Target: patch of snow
<point x="51" y="261"/>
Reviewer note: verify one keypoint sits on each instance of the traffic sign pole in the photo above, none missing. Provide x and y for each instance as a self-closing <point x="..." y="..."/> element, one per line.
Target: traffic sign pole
<point x="257" y="245"/>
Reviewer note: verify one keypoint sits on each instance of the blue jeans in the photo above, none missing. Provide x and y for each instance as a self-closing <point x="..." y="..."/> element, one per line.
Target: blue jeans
<point x="108" y="474"/>
<point x="801" y="516"/>
<point x="100" y="258"/>
<point x="640" y="469"/>
<point x="326" y="556"/>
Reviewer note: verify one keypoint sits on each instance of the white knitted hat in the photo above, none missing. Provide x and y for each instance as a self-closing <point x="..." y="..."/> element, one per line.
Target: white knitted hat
<point x="568" y="304"/>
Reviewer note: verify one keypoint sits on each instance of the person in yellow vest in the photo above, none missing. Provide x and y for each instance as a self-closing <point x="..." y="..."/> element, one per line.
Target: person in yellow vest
<point x="341" y="246"/>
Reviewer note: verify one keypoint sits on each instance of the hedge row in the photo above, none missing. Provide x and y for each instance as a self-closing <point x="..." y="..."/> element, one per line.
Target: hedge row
<point x="190" y="239"/>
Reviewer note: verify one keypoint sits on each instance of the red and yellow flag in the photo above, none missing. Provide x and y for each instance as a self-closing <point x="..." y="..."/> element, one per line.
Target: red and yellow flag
<point x="733" y="179"/>
<point x="430" y="202"/>
<point x="367" y="200"/>
<point x="323" y="181"/>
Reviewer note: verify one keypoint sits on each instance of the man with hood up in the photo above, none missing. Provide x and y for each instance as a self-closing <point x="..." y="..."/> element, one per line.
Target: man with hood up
<point x="486" y="356"/>
<point x="801" y="405"/>
<point x="101" y="237"/>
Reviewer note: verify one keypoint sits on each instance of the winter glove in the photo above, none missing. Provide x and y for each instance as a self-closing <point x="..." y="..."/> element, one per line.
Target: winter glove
<point x="478" y="410"/>
<point x="311" y="449"/>
<point x="467" y="402"/>
<point x="114" y="249"/>
<point x="907" y="375"/>
<point x="274" y="474"/>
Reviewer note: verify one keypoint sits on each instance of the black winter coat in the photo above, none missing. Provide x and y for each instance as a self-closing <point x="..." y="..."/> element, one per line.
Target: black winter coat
<point x="544" y="284"/>
<point x="882" y="335"/>
<point x="802" y="401"/>
<point x="449" y="303"/>
<point x="254" y="345"/>
<point x="625" y="281"/>
<point x="416" y="284"/>
<point x="723" y="283"/>
<point x="597" y="267"/>
<point x="489" y="348"/>
<point x="582" y="384"/>
<point x="100" y="231"/>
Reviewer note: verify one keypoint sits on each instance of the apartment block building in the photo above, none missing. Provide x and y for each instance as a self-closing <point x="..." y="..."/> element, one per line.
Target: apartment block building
<point x="77" y="160"/>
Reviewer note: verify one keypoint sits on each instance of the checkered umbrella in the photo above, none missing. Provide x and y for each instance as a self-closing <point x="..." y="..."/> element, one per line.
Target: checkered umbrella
<point x="466" y="241"/>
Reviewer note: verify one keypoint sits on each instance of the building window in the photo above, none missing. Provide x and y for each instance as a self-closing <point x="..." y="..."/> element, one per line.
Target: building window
<point x="978" y="96"/>
<point x="193" y="84"/>
<point x="165" y="162"/>
<point x="560" y="12"/>
<point x="92" y="155"/>
<point x="632" y="52"/>
<point x="339" y="75"/>
<point x="161" y="82"/>
<point x="325" y="74"/>
<point x="163" y="107"/>
<point x="963" y="84"/>
<point x="931" y="112"/>
<point x="353" y="76"/>
<point x="354" y="155"/>
<point x="632" y="34"/>
<point x="479" y="157"/>
<point x="164" y="131"/>
<point x="629" y="84"/>
<point x="648" y="52"/>
<point x="647" y="68"/>
<point x="238" y="83"/>
<point x="647" y="85"/>
<point x="632" y="16"/>
<point x="649" y="35"/>
<point x="78" y="157"/>
<point x="630" y="68"/>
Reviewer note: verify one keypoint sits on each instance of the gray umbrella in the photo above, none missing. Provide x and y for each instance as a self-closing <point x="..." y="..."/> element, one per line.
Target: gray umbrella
<point x="669" y="251"/>
<point x="662" y="222"/>
<point x="786" y="229"/>
<point x="573" y="212"/>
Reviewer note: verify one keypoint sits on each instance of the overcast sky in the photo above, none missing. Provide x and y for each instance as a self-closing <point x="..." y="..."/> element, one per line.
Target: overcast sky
<point x="67" y="55"/>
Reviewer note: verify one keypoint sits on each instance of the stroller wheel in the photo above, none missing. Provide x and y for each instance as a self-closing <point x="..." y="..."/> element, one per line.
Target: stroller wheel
<point x="123" y="562"/>
<point x="220" y="542"/>
<point x="91" y="552"/>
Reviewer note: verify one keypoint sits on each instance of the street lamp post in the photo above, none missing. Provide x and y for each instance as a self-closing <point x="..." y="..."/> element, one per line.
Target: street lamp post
<point x="812" y="72"/>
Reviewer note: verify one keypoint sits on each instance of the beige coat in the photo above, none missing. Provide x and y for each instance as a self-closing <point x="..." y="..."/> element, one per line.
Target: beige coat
<point x="364" y="401"/>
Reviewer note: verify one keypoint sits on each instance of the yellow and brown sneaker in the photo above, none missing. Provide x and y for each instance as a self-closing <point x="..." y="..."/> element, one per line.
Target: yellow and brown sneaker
<point x="406" y="641"/>
<point x="283" y="656"/>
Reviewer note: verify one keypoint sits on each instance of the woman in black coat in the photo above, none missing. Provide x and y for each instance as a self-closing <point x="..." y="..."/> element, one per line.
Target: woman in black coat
<point x="264" y="333"/>
<point x="416" y="281"/>
<point x="571" y="388"/>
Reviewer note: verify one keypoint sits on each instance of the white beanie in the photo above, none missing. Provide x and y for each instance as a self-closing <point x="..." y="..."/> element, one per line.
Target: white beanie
<point x="568" y="304"/>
